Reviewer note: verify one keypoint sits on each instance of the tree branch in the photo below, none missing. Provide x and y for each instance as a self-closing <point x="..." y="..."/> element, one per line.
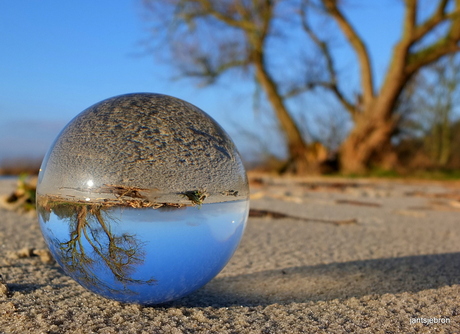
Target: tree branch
<point x="359" y="47"/>
<point x="439" y="16"/>
<point x="205" y="70"/>
<point x="295" y="141"/>
<point x="208" y="9"/>
<point x="431" y="54"/>
<point x="443" y="46"/>
<point x="410" y="23"/>
<point x="333" y="83"/>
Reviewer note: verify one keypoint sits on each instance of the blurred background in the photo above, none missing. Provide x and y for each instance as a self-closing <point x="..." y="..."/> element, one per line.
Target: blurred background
<point x="302" y="86"/>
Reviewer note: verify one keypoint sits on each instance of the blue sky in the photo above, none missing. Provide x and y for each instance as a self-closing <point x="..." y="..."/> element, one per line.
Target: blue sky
<point x="59" y="57"/>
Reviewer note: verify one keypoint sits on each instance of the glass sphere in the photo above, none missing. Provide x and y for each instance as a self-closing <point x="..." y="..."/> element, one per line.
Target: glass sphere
<point x="142" y="198"/>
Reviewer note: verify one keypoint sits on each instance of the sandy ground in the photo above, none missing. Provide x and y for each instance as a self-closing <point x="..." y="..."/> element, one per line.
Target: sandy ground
<point x="399" y="262"/>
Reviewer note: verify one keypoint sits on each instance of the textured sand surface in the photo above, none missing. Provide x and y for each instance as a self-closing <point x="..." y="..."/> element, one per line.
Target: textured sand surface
<point x="400" y="261"/>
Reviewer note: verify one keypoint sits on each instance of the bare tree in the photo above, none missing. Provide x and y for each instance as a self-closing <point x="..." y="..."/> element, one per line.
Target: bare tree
<point x="441" y="108"/>
<point x="211" y="38"/>
<point x="373" y="112"/>
<point x="431" y="108"/>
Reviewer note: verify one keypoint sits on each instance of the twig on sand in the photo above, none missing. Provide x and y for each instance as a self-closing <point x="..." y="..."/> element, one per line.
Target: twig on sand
<point x="277" y="215"/>
<point x="359" y="203"/>
<point x="4" y="290"/>
<point x="22" y="199"/>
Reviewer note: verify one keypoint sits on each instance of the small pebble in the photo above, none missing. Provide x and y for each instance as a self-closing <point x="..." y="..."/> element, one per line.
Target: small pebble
<point x="3" y="287"/>
<point x="44" y="254"/>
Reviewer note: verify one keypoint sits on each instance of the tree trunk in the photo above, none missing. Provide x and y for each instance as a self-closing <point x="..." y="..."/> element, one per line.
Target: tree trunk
<point x="303" y="158"/>
<point x="369" y="143"/>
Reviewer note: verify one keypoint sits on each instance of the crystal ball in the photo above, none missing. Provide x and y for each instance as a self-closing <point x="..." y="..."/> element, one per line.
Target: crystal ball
<point x="142" y="198"/>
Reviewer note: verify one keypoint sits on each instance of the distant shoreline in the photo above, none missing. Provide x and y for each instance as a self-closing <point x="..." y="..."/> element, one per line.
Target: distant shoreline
<point x="8" y="177"/>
